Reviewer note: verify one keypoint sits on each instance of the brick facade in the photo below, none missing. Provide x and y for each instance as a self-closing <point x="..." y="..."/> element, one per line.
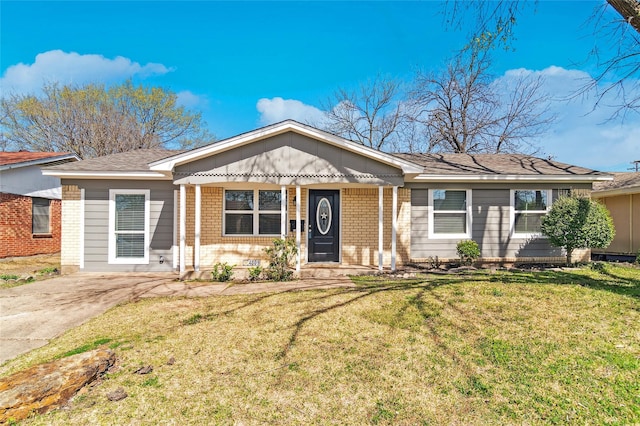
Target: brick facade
<point x="15" y="228"/>
<point x="360" y="226"/>
<point x="70" y="243"/>
<point x="214" y="247"/>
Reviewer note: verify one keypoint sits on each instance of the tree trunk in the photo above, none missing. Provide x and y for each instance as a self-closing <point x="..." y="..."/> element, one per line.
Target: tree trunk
<point x="630" y="11"/>
<point x="569" y="253"/>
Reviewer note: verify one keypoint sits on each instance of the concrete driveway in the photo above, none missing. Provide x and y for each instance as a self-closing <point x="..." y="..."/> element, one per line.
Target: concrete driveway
<point x="32" y="314"/>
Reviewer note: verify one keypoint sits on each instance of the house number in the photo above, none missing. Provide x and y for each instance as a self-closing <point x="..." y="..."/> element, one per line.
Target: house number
<point x="251" y="262"/>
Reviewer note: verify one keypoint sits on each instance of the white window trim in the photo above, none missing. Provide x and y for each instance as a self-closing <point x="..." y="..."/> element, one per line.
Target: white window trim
<point x="112" y="227"/>
<point x="255" y="212"/>
<point x="512" y="213"/>
<point x="431" y="212"/>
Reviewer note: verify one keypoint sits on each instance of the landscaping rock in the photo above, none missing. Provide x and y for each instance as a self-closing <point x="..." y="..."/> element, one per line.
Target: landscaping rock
<point x="144" y="370"/>
<point x="44" y="387"/>
<point x="117" y="395"/>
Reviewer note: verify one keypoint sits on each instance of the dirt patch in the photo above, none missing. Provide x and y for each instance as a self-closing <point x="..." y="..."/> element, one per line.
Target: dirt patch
<point x="29" y="264"/>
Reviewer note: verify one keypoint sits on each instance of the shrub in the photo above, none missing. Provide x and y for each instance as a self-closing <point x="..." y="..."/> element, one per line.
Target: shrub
<point x="222" y="272"/>
<point x="281" y="256"/>
<point x="254" y="273"/>
<point x="468" y="251"/>
<point x="578" y="223"/>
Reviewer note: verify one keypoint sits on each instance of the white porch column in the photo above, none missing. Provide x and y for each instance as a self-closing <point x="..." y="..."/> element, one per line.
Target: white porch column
<point x="380" y="225"/>
<point x="174" y="246"/>
<point x="394" y="226"/>
<point x="298" y="224"/>
<point x="196" y="239"/>
<point x="81" y="233"/>
<point x="283" y="212"/>
<point x="183" y="227"/>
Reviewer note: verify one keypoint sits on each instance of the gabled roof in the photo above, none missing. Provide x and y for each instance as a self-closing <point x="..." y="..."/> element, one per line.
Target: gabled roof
<point x="14" y="160"/>
<point x="133" y="164"/>
<point x="622" y="183"/>
<point x="458" y="167"/>
<point x="168" y="164"/>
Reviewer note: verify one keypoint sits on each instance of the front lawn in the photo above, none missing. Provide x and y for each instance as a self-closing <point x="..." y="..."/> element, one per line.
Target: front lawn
<point x="503" y="348"/>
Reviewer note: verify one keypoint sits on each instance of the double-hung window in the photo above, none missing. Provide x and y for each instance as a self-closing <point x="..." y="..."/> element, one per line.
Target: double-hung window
<point x="252" y="212"/>
<point x="128" y="226"/>
<point x="40" y="215"/>
<point x="528" y="206"/>
<point x="449" y="213"/>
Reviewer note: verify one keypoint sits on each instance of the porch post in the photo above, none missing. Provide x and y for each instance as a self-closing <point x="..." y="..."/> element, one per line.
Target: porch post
<point x="283" y="212"/>
<point x="183" y="227"/>
<point x="298" y="224"/>
<point x="394" y="227"/>
<point x="174" y="244"/>
<point x="196" y="239"/>
<point x="380" y="226"/>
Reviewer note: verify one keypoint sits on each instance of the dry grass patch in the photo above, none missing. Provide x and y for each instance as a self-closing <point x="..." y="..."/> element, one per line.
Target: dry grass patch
<point x="505" y="348"/>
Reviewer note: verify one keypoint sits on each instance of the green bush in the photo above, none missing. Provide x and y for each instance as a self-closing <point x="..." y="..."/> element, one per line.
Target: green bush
<point x="255" y="273"/>
<point x="578" y="223"/>
<point x="281" y="256"/>
<point x="222" y="272"/>
<point x="468" y="251"/>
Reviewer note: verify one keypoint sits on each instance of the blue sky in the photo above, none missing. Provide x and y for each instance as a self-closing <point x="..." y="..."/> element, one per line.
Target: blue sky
<point x="247" y="64"/>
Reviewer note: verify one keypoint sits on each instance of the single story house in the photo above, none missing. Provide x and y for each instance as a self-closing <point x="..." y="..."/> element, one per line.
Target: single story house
<point x="30" y="203"/>
<point x="342" y="202"/>
<point x="622" y="197"/>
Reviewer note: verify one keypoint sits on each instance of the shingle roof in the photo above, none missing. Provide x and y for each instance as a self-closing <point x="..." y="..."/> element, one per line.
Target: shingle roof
<point x="131" y="161"/>
<point x="494" y="164"/>
<point x="621" y="181"/>
<point x="7" y="158"/>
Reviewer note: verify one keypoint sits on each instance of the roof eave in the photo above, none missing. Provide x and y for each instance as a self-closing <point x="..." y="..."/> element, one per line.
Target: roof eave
<point x="68" y="174"/>
<point x="510" y="178"/>
<point x="70" y="157"/>
<point x="616" y="191"/>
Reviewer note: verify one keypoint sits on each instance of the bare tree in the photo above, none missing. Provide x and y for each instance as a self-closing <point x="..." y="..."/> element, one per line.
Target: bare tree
<point x="372" y="115"/>
<point x="492" y="24"/>
<point x="92" y="120"/>
<point x="464" y="110"/>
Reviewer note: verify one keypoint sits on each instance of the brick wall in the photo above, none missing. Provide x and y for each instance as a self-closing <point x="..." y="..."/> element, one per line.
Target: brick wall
<point x="360" y="226"/>
<point x="214" y="247"/>
<point x="15" y="228"/>
<point x="70" y="242"/>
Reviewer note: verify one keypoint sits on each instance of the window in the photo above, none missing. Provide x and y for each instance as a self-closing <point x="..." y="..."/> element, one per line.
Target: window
<point x="40" y="215"/>
<point x="528" y="207"/>
<point x="129" y="226"/>
<point x="243" y="216"/>
<point x="450" y="213"/>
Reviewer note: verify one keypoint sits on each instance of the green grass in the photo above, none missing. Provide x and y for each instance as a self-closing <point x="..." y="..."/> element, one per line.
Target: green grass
<point x="550" y="347"/>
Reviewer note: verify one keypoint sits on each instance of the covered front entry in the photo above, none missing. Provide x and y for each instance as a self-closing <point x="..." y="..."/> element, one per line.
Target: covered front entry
<point x="324" y="226"/>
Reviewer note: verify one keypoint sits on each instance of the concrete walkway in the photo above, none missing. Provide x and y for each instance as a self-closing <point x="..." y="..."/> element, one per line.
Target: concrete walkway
<point x="32" y="314"/>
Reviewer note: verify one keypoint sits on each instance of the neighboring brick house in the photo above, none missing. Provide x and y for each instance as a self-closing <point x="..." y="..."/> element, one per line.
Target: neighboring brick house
<point x="30" y="203"/>
<point x="342" y="202"/>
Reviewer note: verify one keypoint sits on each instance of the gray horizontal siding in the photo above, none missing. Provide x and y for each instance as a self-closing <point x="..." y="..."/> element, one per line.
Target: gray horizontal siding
<point x="491" y="227"/>
<point x="96" y="225"/>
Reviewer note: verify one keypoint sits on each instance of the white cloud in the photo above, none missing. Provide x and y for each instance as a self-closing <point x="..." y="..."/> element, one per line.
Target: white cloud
<point x="72" y="68"/>
<point x="582" y="135"/>
<point x="190" y="100"/>
<point x="278" y="109"/>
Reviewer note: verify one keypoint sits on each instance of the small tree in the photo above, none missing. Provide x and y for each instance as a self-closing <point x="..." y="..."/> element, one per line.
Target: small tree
<point x="281" y="257"/>
<point x="578" y="223"/>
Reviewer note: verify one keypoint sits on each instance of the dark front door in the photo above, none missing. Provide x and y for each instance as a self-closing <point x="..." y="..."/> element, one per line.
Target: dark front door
<point x="324" y="226"/>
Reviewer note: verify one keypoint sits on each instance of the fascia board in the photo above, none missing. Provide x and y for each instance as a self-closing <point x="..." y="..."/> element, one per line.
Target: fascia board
<point x="509" y="178"/>
<point x="107" y="175"/>
<point x="617" y="191"/>
<point x="168" y="164"/>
